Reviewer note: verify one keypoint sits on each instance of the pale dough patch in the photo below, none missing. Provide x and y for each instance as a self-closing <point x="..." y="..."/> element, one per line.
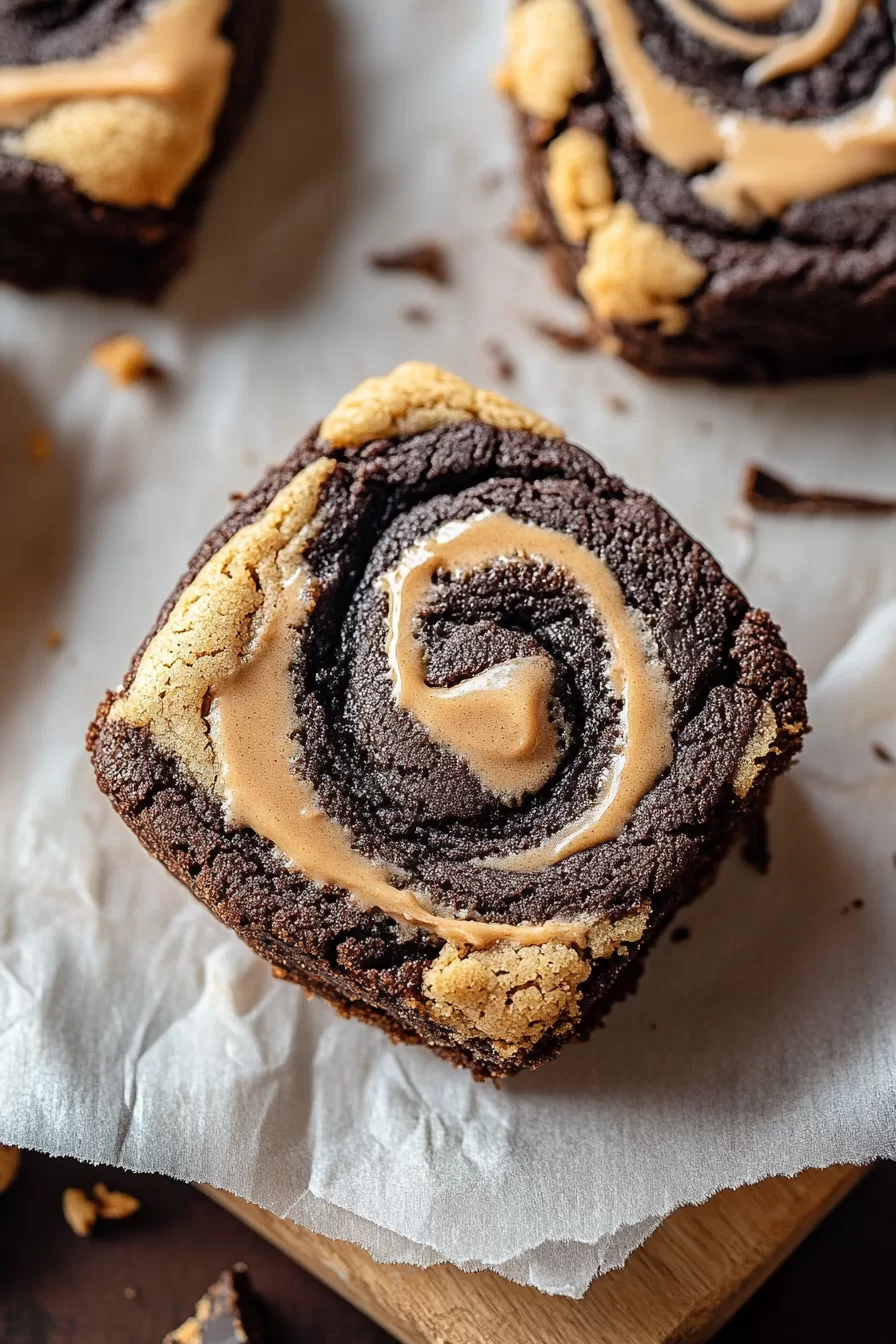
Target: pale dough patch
<point x="760" y="745"/>
<point x="634" y="273"/>
<point x="415" y="397"/>
<point x="512" y="995"/>
<point x="214" y="622"/>
<point x="549" y="57"/>
<point x="578" y="183"/>
<point x="131" y="124"/>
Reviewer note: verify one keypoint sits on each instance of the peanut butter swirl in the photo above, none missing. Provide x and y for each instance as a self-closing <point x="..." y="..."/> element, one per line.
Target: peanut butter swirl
<point x="499" y="721"/>
<point x="763" y="165"/>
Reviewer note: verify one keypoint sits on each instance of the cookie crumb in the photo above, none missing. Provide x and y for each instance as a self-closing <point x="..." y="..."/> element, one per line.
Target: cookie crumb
<point x="680" y="935"/>
<point x="502" y="365"/>
<point x="79" y="1211"/>
<point x="129" y="1294"/>
<point x="236" y="495"/>
<point x="651" y="1026"/>
<point x="40" y="445"/>
<point x="53" y="638"/>
<point x="427" y="259"/>
<point x="123" y="357"/>
<point x="417" y="314"/>
<point x="771" y="494"/>
<point x="617" y="404"/>
<point x="526" y="227"/>
<point x="883" y="754"/>
<point x="567" y="339"/>
<point x="114" y="1203"/>
<point x="10" y="1160"/>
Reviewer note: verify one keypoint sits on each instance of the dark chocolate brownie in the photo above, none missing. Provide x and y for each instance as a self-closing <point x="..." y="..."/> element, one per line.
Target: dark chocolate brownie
<point x="449" y="925"/>
<point x="694" y="254"/>
<point x="120" y="223"/>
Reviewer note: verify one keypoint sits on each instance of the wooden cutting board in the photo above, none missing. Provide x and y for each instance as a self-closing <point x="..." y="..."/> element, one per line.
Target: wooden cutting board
<point x="699" y="1266"/>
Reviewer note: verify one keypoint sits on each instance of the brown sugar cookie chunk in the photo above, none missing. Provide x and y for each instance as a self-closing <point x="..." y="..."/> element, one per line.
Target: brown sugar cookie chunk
<point x="446" y="722"/>
<point x="114" y="116"/>
<point x="715" y="182"/>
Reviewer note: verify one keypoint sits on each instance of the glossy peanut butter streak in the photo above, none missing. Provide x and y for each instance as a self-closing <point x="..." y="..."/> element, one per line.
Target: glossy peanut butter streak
<point x="254" y="729"/>
<point x="763" y="165"/>
<point x="507" y="723"/>
<point x="174" y="54"/>
<point x="782" y="53"/>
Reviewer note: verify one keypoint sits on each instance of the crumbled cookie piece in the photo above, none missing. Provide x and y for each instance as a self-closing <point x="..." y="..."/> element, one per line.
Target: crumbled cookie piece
<point x="114" y="1203"/>
<point x="527" y="227"/>
<point x="79" y="1211"/>
<point x="40" y="445"/>
<point x="427" y="259"/>
<point x="227" y="1313"/>
<point x="53" y="638"/>
<point x="771" y="494"/>
<point x="10" y="1160"/>
<point x="123" y="357"/>
<point x="883" y="754"/>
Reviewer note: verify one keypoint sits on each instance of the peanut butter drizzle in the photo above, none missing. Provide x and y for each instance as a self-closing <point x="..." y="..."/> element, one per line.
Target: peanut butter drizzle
<point x="646" y="738"/>
<point x="781" y="54"/>
<point x="174" y="54"/>
<point x="254" y="730"/>
<point x="764" y="165"/>
<point x="497" y="721"/>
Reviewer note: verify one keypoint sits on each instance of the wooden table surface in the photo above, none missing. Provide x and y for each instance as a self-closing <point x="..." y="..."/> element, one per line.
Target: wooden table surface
<point x="57" y="1289"/>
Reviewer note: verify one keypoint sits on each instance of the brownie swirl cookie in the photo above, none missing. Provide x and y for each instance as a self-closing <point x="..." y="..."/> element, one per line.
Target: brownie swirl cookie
<point x="715" y="178"/>
<point x="446" y="722"/>
<point x="114" y="115"/>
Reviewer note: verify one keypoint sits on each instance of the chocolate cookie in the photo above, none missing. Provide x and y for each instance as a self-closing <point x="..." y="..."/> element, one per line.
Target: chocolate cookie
<point x="446" y="722"/>
<point x="715" y="179"/>
<point x="114" y="116"/>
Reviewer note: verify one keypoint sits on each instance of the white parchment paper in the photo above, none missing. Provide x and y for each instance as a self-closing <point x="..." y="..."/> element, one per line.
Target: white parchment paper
<point x="133" y="1029"/>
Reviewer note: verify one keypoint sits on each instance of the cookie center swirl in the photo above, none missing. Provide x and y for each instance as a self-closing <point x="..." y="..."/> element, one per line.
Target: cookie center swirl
<point x="498" y="721"/>
<point x="255" y="726"/>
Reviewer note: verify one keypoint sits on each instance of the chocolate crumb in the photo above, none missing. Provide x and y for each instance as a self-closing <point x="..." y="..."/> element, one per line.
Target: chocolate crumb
<point x="680" y="935"/>
<point x="40" y="445"/>
<point x="858" y="904"/>
<point x="527" y="228"/>
<point x="502" y="365"/>
<point x="564" y="337"/>
<point x="882" y="753"/>
<point x="617" y="404"/>
<point x="651" y="1026"/>
<point x="762" y="490"/>
<point x="236" y="495"/>
<point x="227" y="1312"/>
<point x="425" y="258"/>
<point x="416" y="313"/>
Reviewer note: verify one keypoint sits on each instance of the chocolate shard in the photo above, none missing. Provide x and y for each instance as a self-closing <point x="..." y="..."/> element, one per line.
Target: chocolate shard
<point x="227" y="1313"/>
<point x="771" y="494"/>
<point x="426" y="258"/>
